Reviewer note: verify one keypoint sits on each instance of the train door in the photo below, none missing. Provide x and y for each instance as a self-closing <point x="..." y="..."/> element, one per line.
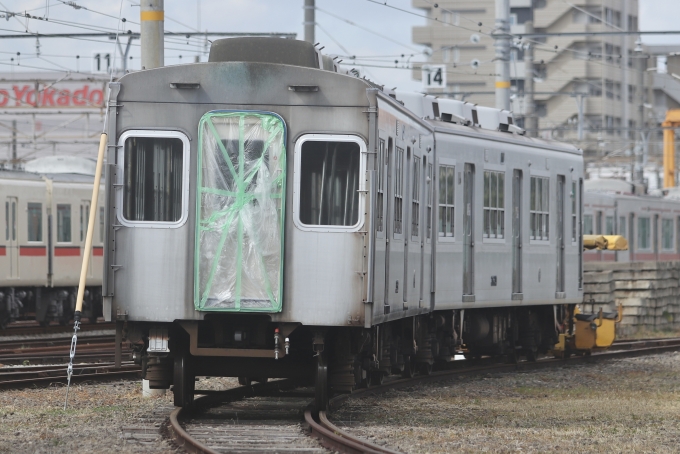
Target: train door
<point x="11" y="235"/>
<point x="468" y="233"/>
<point x="388" y="223"/>
<point x="426" y="228"/>
<point x="560" y="236"/>
<point x="416" y="229"/>
<point x="84" y="220"/>
<point x="406" y="226"/>
<point x="516" y="234"/>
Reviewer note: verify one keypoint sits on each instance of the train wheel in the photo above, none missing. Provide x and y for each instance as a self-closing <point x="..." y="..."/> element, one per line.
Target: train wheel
<point x="425" y="368"/>
<point x="245" y="381"/>
<point x="376" y="377"/>
<point x="184" y="381"/>
<point x="321" y="392"/>
<point x="409" y="369"/>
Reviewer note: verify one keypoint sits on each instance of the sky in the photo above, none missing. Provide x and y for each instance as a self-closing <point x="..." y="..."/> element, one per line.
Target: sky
<point x="379" y="32"/>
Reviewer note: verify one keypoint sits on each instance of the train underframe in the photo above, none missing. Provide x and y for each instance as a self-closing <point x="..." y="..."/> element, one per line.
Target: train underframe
<point x="47" y="304"/>
<point x="335" y="359"/>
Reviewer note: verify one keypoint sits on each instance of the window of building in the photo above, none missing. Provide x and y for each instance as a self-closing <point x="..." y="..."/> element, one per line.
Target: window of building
<point x="398" y="189"/>
<point x="380" y="209"/>
<point x="587" y="224"/>
<point x="643" y="233"/>
<point x="153" y="176"/>
<point x="446" y="200"/>
<point x="494" y="204"/>
<point x="667" y="234"/>
<point x="415" y="201"/>
<point x="35" y="222"/>
<point x="609" y="225"/>
<point x="622" y="226"/>
<point x="63" y="223"/>
<point x="540" y="208"/>
<point x="329" y="183"/>
<point x="573" y="212"/>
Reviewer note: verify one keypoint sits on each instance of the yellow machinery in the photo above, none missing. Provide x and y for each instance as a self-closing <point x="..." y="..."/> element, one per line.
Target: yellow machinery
<point x="672" y="121"/>
<point x="588" y="332"/>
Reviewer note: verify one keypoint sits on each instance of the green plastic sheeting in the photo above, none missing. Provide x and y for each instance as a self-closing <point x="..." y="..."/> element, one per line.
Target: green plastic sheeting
<point x="240" y="212"/>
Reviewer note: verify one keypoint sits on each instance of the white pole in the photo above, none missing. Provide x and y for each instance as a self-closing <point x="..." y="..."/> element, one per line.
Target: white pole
<point x="152" y="31"/>
<point x="502" y="45"/>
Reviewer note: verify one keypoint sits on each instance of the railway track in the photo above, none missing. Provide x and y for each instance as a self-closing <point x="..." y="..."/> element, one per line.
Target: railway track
<point x="31" y="327"/>
<point x="267" y="417"/>
<point x="22" y="377"/>
<point x="94" y="348"/>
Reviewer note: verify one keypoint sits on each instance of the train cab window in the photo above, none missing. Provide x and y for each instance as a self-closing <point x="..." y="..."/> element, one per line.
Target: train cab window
<point x="540" y="208"/>
<point x="380" y="163"/>
<point x="415" y="201"/>
<point x="152" y="185"/>
<point x="609" y="225"/>
<point x="63" y="223"/>
<point x="667" y="234"/>
<point x="329" y="183"/>
<point x="447" y="199"/>
<point x="494" y="204"/>
<point x="398" y="189"/>
<point x="644" y="233"/>
<point x="587" y="224"/>
<point x="35" y="222"/>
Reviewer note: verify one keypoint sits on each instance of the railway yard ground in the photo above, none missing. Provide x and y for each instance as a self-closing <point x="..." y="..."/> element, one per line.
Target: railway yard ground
<point x="617" y="405"/>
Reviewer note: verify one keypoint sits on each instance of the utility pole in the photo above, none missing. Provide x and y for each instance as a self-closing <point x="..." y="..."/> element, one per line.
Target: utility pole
<point x="502" y="45"/>
<point x="152" y="18"/>
<point x="640" y="149"/>
<point x="14" y="144"/>
<point x="309" y="21"/>
<point x="530" y="118"/>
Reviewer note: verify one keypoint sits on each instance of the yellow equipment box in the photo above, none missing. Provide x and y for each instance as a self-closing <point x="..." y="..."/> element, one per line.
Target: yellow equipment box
<point x="595" y="330"/>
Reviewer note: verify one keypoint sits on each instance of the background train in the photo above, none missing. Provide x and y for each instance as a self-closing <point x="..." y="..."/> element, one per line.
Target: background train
<point x="44" y="216"/>
<point x="651" y="224"/>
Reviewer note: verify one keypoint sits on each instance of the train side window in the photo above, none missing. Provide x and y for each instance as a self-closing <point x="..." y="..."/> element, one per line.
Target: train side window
<point x="415" y="201"/>
<point x="609" y="225"/>
<point x="398" y="189"/>
<point x="622" y="226"/>
<point x="63" y="223"/>
<point x="643" y="233"/>
<point x="380" y="209"/>
<point x="587" y="224"/>
<point x="494" y="204"/>
<point x="152" y="189"/>
<point x="447" y="199"/>
<point x="34" y="222"/>
<point x="540" y="208"/>
<point x="667" y="234"/>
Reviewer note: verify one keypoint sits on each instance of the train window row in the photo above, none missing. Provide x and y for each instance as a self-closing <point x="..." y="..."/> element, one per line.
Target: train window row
<point x="447" y="197"/>
<point x="494" y="204"/>
<point x="645" y="236"/>
<point x="539" y="208"/>
<point x="34" y="221"/>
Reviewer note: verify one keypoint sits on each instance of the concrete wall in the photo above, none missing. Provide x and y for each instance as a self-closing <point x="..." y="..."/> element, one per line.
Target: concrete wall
<point x="648" y="291"/>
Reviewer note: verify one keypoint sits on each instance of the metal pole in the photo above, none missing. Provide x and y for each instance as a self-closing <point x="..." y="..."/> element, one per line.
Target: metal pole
<point x="530" y="118"/>
<point x="641" y="143"/>
<point x="502" y="45"/>
<point x="309" y="21"/>
<point x="152" y="30"/>
<point x="579" y="101"/>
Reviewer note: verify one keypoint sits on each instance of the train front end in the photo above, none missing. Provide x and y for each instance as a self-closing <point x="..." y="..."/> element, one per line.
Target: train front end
<point x="235" y="212"/>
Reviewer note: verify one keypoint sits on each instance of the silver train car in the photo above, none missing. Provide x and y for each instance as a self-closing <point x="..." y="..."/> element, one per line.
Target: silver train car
<point x="44" y="217"/>
<point x="651" y="224"/>
<point x="269" y="216"/>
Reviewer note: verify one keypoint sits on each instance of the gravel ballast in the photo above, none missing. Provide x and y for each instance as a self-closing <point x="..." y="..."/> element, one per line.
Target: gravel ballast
<point x="626" y="405"/>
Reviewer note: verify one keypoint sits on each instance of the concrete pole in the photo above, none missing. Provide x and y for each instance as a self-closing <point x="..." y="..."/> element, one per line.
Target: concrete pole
<point x="530" y="118"/>
<point x="502" y="45"/>
<point x="309" y="21"/>
<point x="152" y="29"/>
<point x="641" y="142"/>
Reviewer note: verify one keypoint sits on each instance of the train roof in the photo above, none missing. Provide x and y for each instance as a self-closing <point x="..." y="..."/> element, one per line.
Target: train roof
<point x="66" y="169"/>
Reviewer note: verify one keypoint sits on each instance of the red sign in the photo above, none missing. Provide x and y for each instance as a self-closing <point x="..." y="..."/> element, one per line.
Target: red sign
<point x="87" y="95"/>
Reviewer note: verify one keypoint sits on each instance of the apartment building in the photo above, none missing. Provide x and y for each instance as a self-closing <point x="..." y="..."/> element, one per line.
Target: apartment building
<point x="599" y="74"/>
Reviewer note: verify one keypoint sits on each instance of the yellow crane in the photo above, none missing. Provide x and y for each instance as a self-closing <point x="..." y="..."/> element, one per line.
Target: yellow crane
<point x="672" y="121"/>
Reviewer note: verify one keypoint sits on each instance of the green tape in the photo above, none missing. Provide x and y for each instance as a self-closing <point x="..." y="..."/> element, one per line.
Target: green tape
<point x="272" y="133"/>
